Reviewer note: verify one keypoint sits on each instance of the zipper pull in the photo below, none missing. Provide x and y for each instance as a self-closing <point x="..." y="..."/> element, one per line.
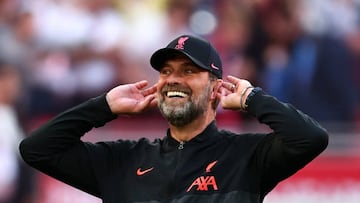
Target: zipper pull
<point x="181" y="145"/>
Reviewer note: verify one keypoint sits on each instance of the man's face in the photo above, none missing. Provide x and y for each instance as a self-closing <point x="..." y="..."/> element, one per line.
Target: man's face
<point x="184" y="91"/>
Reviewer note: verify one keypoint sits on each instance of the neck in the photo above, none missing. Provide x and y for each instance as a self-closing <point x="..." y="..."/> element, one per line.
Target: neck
<point x="191" y="130"/>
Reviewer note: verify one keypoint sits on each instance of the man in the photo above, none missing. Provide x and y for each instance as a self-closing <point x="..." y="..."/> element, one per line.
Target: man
<point x="195" y="161"/>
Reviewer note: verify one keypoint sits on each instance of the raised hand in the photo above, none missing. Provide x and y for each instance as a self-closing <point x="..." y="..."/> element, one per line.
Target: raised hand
<point x="234" y="93"/>
<point x="131" y="98"/>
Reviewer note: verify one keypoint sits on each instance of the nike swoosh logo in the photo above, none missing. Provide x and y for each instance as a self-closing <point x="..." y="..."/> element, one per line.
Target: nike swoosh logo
<point x="210" y="166"/>
<point x="214" y="67"/>
<point x="140" y="172"/>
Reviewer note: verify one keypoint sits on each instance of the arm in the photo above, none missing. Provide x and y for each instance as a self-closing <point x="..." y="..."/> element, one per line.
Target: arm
<point x="56" y="147"/>
<point x="295" y="141"/>
<point x="296" y="138"/>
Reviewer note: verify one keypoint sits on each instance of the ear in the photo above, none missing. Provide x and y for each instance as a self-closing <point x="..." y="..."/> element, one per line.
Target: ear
<point x="216" y="93"/>
<point x="216" y="89"/>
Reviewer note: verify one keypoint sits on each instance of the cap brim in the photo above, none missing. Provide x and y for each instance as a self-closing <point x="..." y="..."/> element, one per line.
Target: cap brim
<point x="158" y="59"/>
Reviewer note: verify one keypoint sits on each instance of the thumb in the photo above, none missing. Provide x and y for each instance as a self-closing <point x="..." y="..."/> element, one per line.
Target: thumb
<point x="147" y="103"/>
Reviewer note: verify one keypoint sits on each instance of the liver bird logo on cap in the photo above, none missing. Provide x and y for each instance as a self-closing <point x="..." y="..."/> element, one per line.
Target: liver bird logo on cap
<point x="181" y="42"/>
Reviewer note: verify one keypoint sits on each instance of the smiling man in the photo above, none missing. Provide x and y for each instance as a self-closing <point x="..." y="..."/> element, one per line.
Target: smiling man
<point x="195" y="161"/>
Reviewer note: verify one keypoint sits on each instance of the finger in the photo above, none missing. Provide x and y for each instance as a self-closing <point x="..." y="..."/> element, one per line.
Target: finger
<point x="150" y="90"/>
<point x="223" y="94"/>
<point x="153" y="102"/>
<point x="225" y="91"/>
<point x="141" y="84"/>
<point x="149" y="98"/>
<point x="232" y="79"/>
<point x="240" y="84"/>
<point x="229" y="86"/>
<point x="147" y="102"/>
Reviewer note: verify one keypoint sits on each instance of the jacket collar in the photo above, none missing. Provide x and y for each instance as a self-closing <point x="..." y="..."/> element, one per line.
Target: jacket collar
<point x="169" y="143"/>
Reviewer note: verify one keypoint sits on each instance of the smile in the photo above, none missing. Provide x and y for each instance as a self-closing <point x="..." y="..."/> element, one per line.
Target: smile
<point x="176" y="94"/>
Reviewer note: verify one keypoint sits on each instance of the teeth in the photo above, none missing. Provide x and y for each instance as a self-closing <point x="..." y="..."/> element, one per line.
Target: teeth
<point x="176" y="94"/>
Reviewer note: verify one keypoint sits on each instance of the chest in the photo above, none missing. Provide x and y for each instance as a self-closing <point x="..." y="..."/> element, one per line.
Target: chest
<point x="189" y="171"/>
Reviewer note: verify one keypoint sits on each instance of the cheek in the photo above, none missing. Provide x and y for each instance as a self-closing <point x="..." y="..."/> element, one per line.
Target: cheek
<point x="161" y="79"/>
<point x="206" y="89"/>
<point x="198" y="86"/>
<point x="160" y="84"/>
<point x="158" y="94"/>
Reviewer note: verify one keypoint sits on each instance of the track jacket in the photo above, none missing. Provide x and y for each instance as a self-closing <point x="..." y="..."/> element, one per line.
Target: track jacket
<point x="216" y="166"/>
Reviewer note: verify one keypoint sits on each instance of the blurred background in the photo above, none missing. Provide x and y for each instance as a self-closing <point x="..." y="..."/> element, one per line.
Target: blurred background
<point x="57" y="53"/>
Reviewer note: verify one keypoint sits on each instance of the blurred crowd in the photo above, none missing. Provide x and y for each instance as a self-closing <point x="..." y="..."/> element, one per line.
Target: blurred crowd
<point x="57" y="53"/>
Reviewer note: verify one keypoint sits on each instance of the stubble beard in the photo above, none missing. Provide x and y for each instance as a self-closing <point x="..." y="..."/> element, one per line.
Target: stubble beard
<point x="181" y="114"/>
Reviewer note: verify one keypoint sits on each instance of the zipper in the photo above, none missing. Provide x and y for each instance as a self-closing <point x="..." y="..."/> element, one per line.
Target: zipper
<point x="181" y="145"/>
<point x="173" y="176"/>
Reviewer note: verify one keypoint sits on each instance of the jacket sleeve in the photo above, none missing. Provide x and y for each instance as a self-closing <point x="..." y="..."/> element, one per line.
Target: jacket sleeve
<point x="56" y="148"/>
<point x="295" y="140"/>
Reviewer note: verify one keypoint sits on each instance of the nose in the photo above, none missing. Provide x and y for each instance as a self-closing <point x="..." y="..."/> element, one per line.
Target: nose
<point x="175" y="78"/>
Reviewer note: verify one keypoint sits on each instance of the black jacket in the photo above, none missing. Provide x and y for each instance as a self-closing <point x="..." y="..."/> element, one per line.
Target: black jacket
<point x="215" y="166"/>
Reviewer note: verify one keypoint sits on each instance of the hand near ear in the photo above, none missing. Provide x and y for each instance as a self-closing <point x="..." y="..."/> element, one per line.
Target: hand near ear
<point x="131" y="98"/>
<point x="234" y="93"/>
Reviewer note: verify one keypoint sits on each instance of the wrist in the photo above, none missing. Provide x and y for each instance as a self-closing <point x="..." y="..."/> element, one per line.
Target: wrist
<point x="244" y="95"/>
<point x="250" y="95"/>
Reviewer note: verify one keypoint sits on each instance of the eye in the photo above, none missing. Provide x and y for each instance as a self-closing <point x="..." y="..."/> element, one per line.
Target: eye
<point x="165" y="71"/>
<point x="189" y="71"/>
